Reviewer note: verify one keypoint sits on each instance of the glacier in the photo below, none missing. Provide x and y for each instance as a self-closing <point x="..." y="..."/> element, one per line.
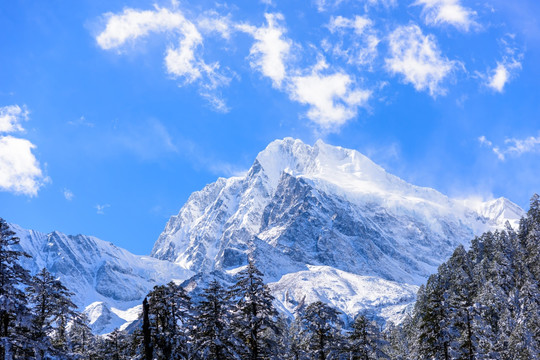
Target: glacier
<point x="322" y="222"/>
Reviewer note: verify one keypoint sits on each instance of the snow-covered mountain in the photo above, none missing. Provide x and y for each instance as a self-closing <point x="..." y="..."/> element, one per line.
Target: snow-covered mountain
<point x="326" y="223"/>
<point x="323" y="222"/>
<point x="108" y="282"/>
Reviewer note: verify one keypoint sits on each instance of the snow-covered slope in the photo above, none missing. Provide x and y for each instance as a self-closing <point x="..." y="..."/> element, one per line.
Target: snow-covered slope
<point x="107" y="281"/>
<point x="323" y="219"/>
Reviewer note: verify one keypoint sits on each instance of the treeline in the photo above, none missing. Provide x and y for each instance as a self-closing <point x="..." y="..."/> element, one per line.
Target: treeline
<point x="38" y="320"/>
<point x="240" y="322"/>
<point x="483" y="303"/>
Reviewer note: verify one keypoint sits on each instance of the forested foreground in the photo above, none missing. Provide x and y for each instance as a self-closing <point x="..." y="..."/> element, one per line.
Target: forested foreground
<point x="482" y="304"/>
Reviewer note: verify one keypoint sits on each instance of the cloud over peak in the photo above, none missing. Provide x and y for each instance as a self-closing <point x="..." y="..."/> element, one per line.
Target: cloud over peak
<point x="332" y="97"/>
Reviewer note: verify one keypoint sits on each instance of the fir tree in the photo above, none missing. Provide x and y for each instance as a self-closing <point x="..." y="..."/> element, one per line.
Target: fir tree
<point x="147" y="336"/>
<point x="214" y="337"/>
<point x="80" y="336"/>
<point x="169" y="313"/>
<point x="365" y="341"/>
<point x="14" y="312"/>
<point x="53" y="308"/>
<point x="254" y="314"/>
<point x="321" y="325"/>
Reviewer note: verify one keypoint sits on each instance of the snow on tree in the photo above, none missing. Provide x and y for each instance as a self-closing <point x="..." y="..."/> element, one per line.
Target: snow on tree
<point x="321" y="327"/>
<point x="52" y="307"/>
<point x="14" y="312"/>
<point x="254" y="314"/>
<point x="365" y="341"/>
<point x="212" y="326"/>
<point x="169" y="315"/>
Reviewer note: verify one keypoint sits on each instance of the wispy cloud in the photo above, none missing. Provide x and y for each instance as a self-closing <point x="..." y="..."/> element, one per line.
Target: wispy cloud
<point x="513" y="146"/>
<point x="100" y="209"/>
<point x="507" y="69"/>
<point x="324" y="5"/>
<point x="81" y="122"/>
<point x="20" y="171"/>
<point x="68" y="194"/>
<point x="271" y="48"/>
<point x="451" y="12"/>
<point x="182" y="60"/>
<point x="360" y="46"/>
<point x="11" y="118"/>
<point x="418" y="59"/>
<point x="147" y="140"/>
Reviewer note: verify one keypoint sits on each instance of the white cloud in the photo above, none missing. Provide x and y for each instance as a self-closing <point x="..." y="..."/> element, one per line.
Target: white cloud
<point x="100" y="209"/>
<point x="506" y="70"/>
<point x="182" y="61"/>
<point x="499" y="78"/>
<point x="20" y="172"/>
<point x="437" y="12"/>
<point x="82" y="122"/>
<point x="270" y="50"/>
<point x="513" y="146"/>
<point x="212" y="22"/>
<point x="418" y="59"/>
<point x="333" y="98"/>
<point x="361" y="48"/>
<point x="68" y="194"/>
<point x="11" y="117"/>
<point x="133" y="24"/>
<point x="323" y="5"/>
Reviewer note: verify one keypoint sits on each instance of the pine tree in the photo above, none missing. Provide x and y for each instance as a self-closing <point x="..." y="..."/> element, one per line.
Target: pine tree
<point x="169" y="312"/>
<point x="321" y="325"/>
<point x="53" y="308"/>
<point x="80" y="336"/>
<point x="435" y="331"/>
<point x="14" y="312"/>
<point x="365" y="341"/>
<point x="147" y="336"/>
<point x="116" y="345"/>
<point x="254" y="314"/>
<point x="214" y="337"/>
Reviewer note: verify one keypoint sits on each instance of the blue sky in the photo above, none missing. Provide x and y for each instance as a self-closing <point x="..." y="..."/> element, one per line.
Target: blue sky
<point x="113" y="112"/>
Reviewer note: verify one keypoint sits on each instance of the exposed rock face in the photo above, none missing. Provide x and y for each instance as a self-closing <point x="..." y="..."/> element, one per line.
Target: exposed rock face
<point x="304" y="207"/>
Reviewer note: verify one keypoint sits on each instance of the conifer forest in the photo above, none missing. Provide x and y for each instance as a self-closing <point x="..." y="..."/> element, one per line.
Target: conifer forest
<point x="483" y="303"/>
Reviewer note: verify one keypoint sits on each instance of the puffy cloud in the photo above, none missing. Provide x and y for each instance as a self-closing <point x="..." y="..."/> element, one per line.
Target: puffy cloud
<point x="418" y="59"/>
<point x="11" y="117"/>
<point x="437" y="12"/>
<point x="513" y="146"/>
<point x="270" y="49"/>
<point x="332" y="98"/>
<point x="181" y="60"/>
<point x="20" y="172"/>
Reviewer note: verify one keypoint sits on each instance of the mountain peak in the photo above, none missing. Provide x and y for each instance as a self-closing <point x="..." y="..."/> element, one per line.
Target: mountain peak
<point x="335" y="209"/>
